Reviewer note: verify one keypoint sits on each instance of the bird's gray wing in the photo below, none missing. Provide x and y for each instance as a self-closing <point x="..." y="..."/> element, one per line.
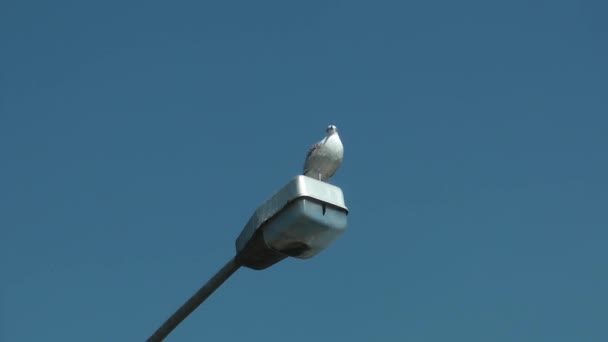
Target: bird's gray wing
<point x="312" y="149"/>
<point x="310" y="152"/>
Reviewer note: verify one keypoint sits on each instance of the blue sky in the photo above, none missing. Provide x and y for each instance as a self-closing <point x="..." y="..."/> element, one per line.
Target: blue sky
<point x="137" y="138"/>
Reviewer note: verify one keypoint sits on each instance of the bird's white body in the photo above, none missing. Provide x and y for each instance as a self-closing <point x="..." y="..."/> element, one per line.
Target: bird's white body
<point x="325" y="157"/>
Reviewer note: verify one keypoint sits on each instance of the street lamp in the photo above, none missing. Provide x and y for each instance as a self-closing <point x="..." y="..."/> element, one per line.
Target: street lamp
<point x="302" y="219"/>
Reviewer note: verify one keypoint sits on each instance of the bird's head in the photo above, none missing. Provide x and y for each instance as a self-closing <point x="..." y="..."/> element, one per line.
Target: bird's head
<point x="331" y="129"/>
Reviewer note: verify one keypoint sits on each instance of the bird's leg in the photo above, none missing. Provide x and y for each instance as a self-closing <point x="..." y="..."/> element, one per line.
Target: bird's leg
<point x="319" y="175"/>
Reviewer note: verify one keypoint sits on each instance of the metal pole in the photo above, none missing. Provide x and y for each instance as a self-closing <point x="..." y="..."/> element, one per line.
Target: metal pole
<point x="189" y="306"/>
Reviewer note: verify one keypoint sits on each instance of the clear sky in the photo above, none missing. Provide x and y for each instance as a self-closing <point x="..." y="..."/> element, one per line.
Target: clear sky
<point x="137" y="138"/>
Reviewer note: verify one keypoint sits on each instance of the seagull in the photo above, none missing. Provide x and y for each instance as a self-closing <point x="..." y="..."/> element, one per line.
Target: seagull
<point x="325" y="157"/>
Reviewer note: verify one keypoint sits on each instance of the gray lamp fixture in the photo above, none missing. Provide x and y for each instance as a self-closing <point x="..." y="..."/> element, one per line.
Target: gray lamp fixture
<point x="300" y="220"/>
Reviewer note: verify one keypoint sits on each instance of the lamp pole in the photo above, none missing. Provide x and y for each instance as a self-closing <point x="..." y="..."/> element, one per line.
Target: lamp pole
<point x="299" y="221"/>
<point x="197" y="299"/>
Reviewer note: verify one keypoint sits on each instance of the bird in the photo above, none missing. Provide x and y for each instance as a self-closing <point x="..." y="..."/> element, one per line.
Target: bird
<point x="324" y="158"/>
